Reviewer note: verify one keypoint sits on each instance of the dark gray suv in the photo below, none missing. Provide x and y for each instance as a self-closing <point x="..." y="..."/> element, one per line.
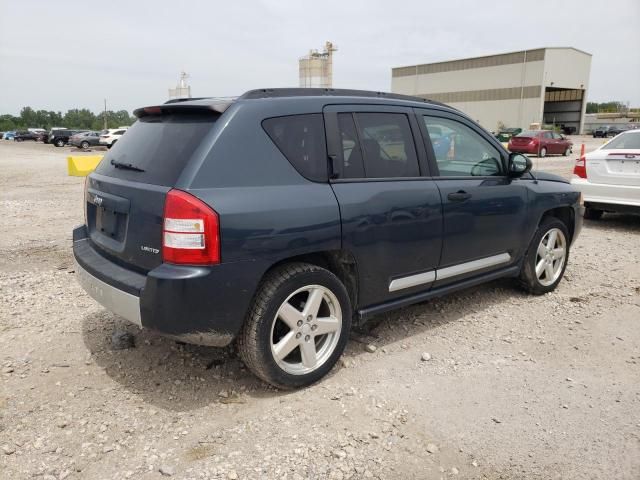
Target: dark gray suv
<point x="282" y="218"/>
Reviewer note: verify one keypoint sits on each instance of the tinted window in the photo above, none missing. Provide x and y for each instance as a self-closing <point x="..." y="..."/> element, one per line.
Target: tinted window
<point x="387" y="144"/>
<point x="624" y="140"/>
<point x="352" y="165"/>
<point x="161" y="145"/>
<point x="119" y="132"/>
<point x="459" y="151"/>
<point x="301" y="139"/>
<point x="547" y="135"/>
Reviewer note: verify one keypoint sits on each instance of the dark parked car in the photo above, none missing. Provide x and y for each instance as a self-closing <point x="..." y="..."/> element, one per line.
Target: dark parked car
<point x="601" y="132"/>
<point x="617" y="129"/>
<point x="61" y="137"/>
<point x="25" y="136"/>
<point x="506" y="134"/>
<point x="540" y="143"/>
<point x="284" y="217"/>
<point x="84" y="139"/>
<point x="42" y="136"/>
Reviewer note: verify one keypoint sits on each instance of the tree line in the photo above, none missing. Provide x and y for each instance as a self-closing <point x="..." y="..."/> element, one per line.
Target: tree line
<point x="82" y="119"/>
<point x="608" y="107"/>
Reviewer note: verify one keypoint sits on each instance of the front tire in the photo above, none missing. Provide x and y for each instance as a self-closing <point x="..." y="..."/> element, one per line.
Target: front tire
<point x="567" y="151"/>
<point x="84" y="145"/>
<point x="593" y="213"/>
<point x="546" y="259"/>
<point x="59" y="143"/>
<point x="298" y="326"/>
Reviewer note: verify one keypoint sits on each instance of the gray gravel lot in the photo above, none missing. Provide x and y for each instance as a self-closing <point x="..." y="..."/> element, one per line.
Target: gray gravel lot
<point x="513" y="386"/>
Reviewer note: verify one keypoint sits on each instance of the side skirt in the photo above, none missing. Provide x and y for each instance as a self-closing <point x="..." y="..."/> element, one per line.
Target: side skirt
<point x="365" y="314"/>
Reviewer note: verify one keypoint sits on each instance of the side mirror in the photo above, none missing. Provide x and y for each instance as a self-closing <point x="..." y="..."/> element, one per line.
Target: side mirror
<point x="519" y="165"/>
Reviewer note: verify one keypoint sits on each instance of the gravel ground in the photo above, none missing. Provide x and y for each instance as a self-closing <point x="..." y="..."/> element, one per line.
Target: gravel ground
<point x="487" y="383"/>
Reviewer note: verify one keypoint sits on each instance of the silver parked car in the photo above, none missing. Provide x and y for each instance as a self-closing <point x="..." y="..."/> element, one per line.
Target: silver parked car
<point x="85" y="139"/>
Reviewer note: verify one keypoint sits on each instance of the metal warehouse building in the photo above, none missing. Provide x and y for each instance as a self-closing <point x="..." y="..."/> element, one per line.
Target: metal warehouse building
<point x="517" y="89"/>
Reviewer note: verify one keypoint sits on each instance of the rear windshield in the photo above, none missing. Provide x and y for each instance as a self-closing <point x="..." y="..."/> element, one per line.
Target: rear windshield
<point x="159" y="145"/>
<point x="528" y="133"/>
<point x="624" y="140"/>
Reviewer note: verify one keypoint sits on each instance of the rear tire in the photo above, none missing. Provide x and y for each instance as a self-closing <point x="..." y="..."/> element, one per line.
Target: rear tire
<point x="546" y="258"/>
<point x="593" y="213"/>
<point x="59" y="143"/>
<point x="543" y="152"/>
<point x="282" y="319"/>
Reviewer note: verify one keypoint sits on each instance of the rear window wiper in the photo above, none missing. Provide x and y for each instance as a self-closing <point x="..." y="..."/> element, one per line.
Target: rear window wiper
<point x="126" y="166"/>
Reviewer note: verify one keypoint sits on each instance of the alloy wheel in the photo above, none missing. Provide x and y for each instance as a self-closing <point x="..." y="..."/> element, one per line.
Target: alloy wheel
<point x="306" y="329"/>
<point x="550" y="257"/>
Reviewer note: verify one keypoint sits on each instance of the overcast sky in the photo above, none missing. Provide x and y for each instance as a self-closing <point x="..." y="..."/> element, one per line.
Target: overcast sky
<point x="68" y="53"/>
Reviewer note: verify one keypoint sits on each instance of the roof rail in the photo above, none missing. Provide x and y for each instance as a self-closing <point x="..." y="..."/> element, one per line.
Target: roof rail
<point x="319" y="92"/>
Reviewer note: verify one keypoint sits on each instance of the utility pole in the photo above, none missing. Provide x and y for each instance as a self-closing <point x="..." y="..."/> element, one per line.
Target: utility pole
<point x="104" y="115"/>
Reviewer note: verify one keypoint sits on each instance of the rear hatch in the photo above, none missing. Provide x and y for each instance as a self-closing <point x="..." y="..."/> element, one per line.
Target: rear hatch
<point x="617" y="162"/>
<point x="125" y="195"/>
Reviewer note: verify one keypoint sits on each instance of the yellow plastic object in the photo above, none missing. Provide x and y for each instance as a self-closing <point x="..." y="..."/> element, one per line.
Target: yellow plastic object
<point x="505" y="145"/>
<point x="82" y="165"/>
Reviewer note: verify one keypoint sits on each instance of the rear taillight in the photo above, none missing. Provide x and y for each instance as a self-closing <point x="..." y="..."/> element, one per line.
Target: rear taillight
<point x="191" y="231"/>
<point x="580" y="169"/>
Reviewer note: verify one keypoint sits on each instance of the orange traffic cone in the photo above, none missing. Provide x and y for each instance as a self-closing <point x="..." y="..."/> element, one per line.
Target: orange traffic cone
<point x="582" y="151"/>
<point x="451" y="154"/>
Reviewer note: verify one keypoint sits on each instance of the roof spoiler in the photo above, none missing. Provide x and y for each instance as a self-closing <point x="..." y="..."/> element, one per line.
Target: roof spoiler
<point x="183" y="106"/>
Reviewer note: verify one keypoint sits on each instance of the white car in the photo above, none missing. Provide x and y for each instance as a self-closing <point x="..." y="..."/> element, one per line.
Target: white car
<point x="112" y="136"/>
<point x="609" y="177"/>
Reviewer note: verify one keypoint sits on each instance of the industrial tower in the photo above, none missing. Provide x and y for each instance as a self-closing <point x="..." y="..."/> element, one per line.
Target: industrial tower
<point x="316" y="68"/>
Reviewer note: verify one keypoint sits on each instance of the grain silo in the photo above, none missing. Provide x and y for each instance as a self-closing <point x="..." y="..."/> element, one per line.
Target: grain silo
<point x="316" y="68"/>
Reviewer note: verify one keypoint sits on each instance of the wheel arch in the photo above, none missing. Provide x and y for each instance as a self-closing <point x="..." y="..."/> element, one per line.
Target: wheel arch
<point x="566" y="214"/>
<point x="341" y="263"/>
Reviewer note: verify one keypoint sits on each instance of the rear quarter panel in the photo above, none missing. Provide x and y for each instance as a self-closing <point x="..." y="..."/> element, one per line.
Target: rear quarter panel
<point x="268" y="211"/>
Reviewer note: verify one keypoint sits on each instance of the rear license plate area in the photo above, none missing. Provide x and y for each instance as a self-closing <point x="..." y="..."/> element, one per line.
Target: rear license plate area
<point x="624" y="166"/>
<point x="110" y="224"/>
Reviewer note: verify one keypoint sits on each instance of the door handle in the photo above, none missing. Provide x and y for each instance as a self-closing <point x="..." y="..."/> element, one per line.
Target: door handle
<point x="459" y="196"/>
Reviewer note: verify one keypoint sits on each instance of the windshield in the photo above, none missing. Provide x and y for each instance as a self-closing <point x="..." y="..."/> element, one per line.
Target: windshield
<point x="624" y="141"/>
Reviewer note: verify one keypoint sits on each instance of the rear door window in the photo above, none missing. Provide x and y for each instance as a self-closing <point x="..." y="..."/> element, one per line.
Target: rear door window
<point x="384" y="145"/>
<point x="301" y="140"/>
<point x="158" y="145"/>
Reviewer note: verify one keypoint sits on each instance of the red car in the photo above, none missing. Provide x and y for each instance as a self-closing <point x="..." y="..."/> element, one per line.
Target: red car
<point x="540" y="143"/>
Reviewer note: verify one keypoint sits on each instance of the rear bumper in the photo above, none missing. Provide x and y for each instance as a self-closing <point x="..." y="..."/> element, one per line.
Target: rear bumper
<point x="118" y="301"/>
<point x="599" y="193"/>
<point x="201" y="305"/>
